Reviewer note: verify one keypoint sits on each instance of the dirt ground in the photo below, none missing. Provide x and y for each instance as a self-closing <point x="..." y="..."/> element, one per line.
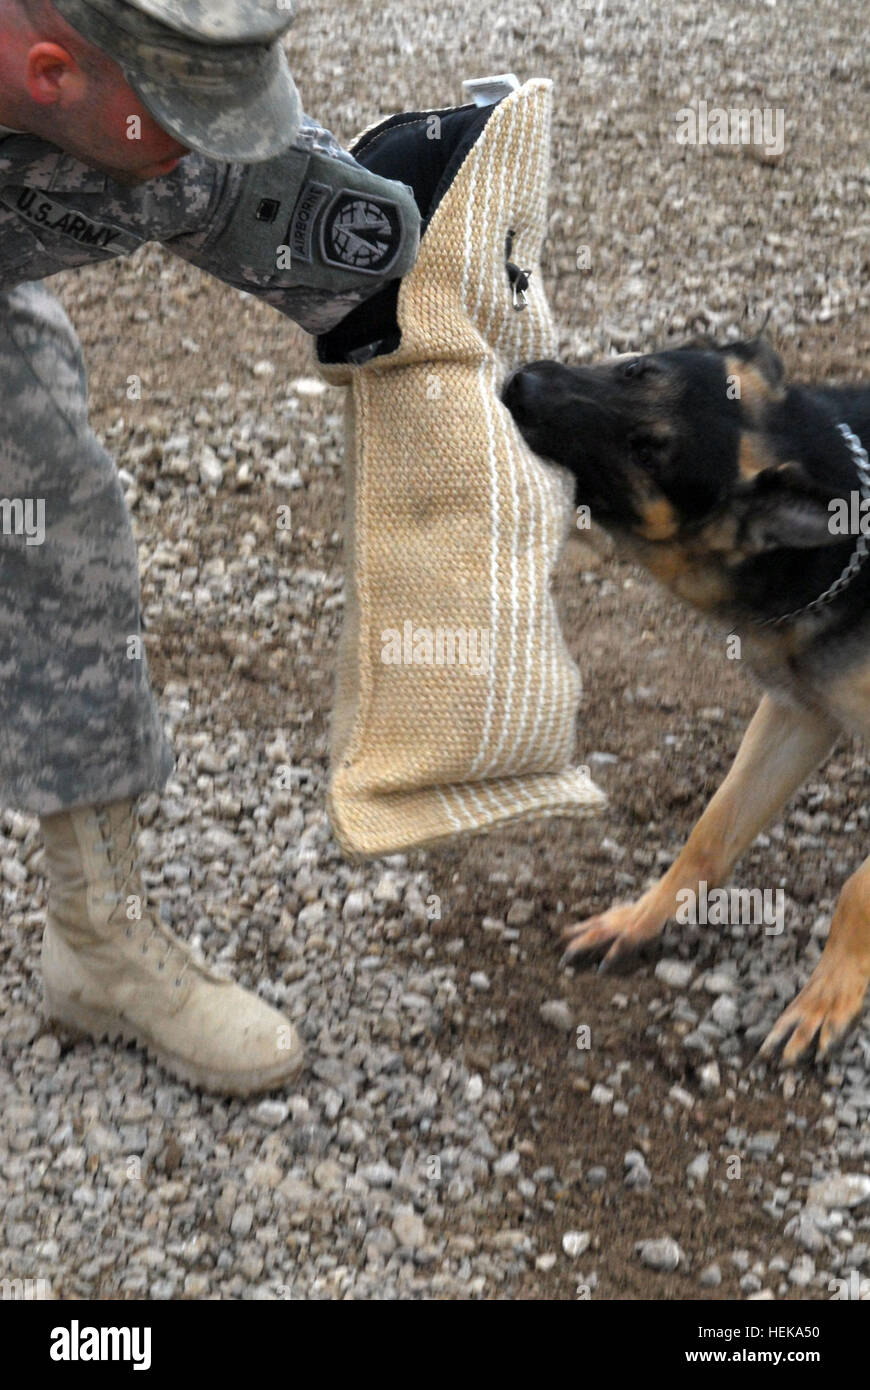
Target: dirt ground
<point x="679" y="239"/>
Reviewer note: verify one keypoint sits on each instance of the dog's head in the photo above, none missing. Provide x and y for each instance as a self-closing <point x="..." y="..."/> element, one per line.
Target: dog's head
<point x="694" y="454"/>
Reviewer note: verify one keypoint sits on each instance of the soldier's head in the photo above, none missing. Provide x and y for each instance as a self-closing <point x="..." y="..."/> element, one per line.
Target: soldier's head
<point x="131" y="86"/>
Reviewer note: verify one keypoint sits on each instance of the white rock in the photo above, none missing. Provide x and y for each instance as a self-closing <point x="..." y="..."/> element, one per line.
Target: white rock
<point x="408" y="1227"/>
<point x="47" y="1048"/>
<point x="802" y="1271"/>
<point x="311" y="915"/>
<point x="211" y="470"/>
<point x="842" y="1190"/>
<point x="242" y="1220"/>
<point x="699" y="1168"/>
<point x="805" y="1231"/>
<point x="356" y="904"/>
<point x="725" y="1013"/>
<point x="474" y="1089"/>
<point x="296" y="1193"/>
<point x="387" y="890"/>
<point x="557" y="1013"/>
<point x="576" y="1243"/>
<point x="14" y="872"/>
<point x="664" y="1254"/>
<point x="720" y="982"/>
<point x="329" y="1175"/>
<point x="675" y="973"/>
<point x="271" y="1113"/>
<point x="683" y="1098"/>
<point x="709" y="1078"/>
<point x="208" y="759"/>
<point x="379" y="1174"/>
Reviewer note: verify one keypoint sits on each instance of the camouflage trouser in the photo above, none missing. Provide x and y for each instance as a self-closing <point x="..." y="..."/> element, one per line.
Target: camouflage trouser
<point x="78" y="720"/>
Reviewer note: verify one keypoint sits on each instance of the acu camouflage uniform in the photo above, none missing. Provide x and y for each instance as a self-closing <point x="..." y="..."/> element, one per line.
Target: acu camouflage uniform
<point x="78" y="721"/>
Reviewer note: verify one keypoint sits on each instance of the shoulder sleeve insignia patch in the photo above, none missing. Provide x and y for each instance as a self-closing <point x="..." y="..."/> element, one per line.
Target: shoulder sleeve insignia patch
<point x="362" y="232"/>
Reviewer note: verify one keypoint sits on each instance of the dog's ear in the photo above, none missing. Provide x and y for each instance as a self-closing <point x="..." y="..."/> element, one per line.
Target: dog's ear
<point x="758" y="353"/>
<point x="783" y="508"/>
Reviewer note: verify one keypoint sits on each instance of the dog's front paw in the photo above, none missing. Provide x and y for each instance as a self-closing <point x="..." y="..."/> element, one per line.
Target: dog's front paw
<point x="827" y="1006"/>
<point x="623" y="929"/>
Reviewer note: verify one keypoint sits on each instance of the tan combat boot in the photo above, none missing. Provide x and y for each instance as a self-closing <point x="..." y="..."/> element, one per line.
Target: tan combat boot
<point x="113" y="969"/>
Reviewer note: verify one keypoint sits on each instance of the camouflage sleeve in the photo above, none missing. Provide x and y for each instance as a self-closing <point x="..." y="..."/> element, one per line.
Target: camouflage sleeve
<point x="311" y="232"/>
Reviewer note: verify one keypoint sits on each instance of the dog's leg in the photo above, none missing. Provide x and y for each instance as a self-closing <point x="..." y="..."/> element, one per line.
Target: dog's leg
<point x="780" y="748"/>
<point x="831" y="999"/>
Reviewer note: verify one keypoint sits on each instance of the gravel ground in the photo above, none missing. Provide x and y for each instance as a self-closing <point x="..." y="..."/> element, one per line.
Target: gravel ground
<point x="451" y="1139"/>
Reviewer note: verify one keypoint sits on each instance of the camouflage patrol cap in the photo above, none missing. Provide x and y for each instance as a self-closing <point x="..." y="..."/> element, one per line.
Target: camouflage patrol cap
<point x="212" y="73"/>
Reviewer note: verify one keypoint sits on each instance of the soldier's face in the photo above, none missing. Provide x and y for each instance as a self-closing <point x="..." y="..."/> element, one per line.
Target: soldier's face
<point x="126" y="141"/>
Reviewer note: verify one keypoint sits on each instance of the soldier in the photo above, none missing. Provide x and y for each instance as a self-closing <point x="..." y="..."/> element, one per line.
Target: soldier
<point x="121" y="122"/>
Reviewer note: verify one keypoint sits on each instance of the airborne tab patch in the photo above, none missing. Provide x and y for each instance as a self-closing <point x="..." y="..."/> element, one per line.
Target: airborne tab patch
<point x="46" y="215"/>
<point x="300" y="233"/>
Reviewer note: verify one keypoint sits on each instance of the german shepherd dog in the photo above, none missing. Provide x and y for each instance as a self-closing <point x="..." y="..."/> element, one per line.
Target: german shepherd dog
<point x="745" y="496"/>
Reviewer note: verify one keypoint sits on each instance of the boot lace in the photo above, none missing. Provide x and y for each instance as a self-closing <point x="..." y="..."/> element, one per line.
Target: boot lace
<point x="120" y="852"/>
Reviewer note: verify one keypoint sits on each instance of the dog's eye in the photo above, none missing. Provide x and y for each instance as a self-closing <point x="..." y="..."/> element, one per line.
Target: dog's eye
<point x="638" y="367"/>
<point x="647" y="450"/>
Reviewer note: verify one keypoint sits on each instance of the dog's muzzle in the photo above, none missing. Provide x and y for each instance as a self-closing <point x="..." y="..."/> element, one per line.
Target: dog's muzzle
<point x="524" y="392"/>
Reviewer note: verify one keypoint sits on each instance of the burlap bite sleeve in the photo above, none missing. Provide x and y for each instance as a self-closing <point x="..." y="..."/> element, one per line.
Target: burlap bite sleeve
<point x="456" y="697"/>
